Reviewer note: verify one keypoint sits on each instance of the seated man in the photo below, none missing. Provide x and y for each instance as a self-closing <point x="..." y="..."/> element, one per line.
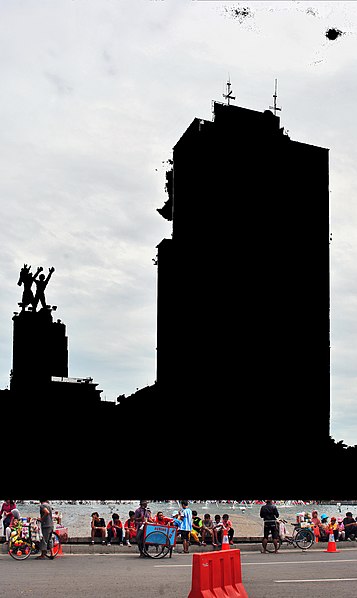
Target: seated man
<point x="350" y="525"/>
<point x="97" y="527"/>
<point x="130" y="528"/>
<point x="115" y="529"/>
<point x="218" y="526"/>
<point x="195" y="534"/>
<point x="208" y="530"/>
<point x="160" y="519"/>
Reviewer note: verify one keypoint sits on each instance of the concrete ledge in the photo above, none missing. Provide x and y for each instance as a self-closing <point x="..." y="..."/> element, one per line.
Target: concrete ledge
<point x="82" y="545"/>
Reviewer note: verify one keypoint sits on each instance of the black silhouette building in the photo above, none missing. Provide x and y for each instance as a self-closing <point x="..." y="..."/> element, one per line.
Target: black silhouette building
<point x="243" y="284"/>
<point x="243" y="322"/>
<point x="243" y="318"/>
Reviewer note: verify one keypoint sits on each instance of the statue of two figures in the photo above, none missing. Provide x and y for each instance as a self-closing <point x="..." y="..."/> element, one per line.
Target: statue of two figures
<point x="27" y="279"/>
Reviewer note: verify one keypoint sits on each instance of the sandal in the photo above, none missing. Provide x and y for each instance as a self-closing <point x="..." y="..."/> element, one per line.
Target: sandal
<point x="40" y="558"/>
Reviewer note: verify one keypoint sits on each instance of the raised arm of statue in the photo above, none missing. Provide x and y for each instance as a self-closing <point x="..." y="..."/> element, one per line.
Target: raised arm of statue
<point x="41" y="284"/>
<point x="50" y="272"/>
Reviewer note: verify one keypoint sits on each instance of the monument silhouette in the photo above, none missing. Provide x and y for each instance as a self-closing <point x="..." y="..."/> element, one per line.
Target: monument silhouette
<point x="241" y="402"/>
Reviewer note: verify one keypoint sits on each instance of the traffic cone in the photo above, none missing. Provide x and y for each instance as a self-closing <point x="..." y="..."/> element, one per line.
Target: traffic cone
<point x="331" y="546"/>
<point x="225" y="541"/>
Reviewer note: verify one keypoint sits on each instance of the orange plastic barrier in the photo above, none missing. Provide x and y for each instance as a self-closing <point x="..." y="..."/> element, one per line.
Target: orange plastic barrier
<point x="217" y="574"/>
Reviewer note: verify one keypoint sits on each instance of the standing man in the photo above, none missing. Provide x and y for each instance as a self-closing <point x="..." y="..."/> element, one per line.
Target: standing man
<point x="186" y="524"/>
<point x="141" y="516"/>
<point x="270" y="513"/>
<point x="46" y="527"/>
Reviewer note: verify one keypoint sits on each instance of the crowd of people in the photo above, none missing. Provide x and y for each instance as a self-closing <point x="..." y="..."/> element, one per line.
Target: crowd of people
<point x="11" y="521"/>
<point x="342" y="528"/>
<point x="191" y="528"/>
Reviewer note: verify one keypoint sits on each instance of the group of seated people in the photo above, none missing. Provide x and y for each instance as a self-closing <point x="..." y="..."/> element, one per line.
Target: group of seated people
<point x="210" y="531"/>
<point x="343" y="528"/>
<point x="204" y="531"/>
<point x="115" y="529"/>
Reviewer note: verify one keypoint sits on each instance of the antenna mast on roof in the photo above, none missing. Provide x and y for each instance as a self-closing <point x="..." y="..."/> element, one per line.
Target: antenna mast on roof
<point x="228" y="95"/>
<point x="275" y="95"/>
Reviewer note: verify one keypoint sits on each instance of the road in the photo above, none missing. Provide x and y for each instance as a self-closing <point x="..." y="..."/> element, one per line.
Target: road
<point x="290" y="573"/>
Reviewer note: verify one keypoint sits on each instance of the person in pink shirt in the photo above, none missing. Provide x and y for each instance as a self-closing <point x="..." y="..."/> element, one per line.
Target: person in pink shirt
<point x="227" y="524"/>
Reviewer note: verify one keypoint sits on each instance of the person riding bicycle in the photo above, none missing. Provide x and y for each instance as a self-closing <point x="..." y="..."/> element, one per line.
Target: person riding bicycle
<point x="269" y="513"/>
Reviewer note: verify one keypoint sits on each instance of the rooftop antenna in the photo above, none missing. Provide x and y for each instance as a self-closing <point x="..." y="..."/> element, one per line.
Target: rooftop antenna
<point x="275" y="95"/>
<point x="228" y="95"/>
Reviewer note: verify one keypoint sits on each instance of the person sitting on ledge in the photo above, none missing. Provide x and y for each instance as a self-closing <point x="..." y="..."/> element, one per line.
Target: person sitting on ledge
<point x="130" y="528"/>
<point x="227" y="524"/>
<point x="208" y="529"/>
<point x="115" y="529"/>
<point x="97" y="527"/>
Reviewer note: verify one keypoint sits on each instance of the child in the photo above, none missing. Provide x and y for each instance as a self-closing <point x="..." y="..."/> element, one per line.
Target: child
<point x="332" y="528"/>
<point x="227" y="524"/>
<point x="218" y="526"/>
<point x="341" y="529"/>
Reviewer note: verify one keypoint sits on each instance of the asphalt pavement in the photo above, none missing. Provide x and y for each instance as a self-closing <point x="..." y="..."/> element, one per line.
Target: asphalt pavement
<point x="291" y="572"/>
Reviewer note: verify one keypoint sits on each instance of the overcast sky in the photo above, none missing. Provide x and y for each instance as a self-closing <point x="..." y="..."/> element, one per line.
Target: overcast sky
<point x="94" y="95"/>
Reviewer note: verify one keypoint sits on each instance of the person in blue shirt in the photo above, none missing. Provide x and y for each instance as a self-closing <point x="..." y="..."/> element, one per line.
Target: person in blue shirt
<point x="186" y="524"/>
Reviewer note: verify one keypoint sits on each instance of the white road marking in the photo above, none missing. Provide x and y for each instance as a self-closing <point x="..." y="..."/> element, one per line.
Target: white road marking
<point x="315" y="580"/>
<point x="328" y="562"/>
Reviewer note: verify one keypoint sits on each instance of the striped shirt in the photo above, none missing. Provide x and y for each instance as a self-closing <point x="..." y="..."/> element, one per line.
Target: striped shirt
<point x="186" y="521"/>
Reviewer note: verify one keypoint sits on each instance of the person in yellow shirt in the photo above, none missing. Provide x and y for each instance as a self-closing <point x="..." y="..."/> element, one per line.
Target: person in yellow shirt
<point x="332" y="528"/>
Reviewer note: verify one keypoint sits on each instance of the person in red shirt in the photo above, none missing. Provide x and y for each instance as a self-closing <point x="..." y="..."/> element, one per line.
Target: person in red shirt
<point x="160" y="519"/>
<point x="5" y="510"/>
<point x="130" y="528"/>
<point x="115" y="529"/>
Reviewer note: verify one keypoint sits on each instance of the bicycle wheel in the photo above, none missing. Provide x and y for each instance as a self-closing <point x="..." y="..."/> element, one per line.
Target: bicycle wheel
<point x="270" y="544"/>
<point x="55" y="542"/>
<point x="304" y="539"/>
<point x="157" y="545"/>
<point x="20" y="549"/>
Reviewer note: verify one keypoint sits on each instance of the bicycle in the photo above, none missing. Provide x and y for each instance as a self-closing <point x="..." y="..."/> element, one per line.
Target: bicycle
<point x="158" y="540"/>
<point x="302" y="537"/>
<point x="22" y="544"/>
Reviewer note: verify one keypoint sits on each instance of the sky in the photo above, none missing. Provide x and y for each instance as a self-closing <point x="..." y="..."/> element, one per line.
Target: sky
<point x="94" y="95"/>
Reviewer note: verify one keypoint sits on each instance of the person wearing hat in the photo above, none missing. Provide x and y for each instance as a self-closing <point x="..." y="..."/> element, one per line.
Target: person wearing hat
<point x="324" y="527"/>
<point x="142" y="515"/>
<point x="175" y="518"/>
